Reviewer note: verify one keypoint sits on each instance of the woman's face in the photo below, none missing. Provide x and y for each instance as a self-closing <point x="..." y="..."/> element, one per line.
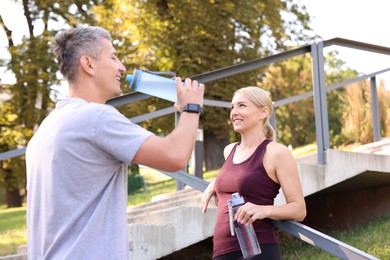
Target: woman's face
<point x="245" y="115"/>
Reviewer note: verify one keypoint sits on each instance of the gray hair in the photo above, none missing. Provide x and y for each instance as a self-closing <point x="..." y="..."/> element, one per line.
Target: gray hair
<point x="260" y="98"/>
<point x="72" y="44"/>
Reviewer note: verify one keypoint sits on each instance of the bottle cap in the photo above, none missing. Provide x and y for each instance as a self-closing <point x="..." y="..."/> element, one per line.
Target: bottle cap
<point x="236" y="199"/>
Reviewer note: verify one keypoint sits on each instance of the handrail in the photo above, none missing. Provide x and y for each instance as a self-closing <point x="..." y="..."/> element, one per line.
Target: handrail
<point x="298" y="230"/>
<point x="251" y="65"/>
<point x="12" y="153"/>
<point x="357" y="45"/>
<point x="137" y="96"/>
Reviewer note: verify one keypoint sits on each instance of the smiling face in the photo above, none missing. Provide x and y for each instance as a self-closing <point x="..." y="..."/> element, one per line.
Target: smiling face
<point x="245" y="115"/>
<point x="108" y="71"/>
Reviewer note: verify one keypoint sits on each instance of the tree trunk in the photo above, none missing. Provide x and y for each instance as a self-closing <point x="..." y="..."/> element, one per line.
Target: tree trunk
<point x="214" y="151"/>
<point x="13" y="198"/>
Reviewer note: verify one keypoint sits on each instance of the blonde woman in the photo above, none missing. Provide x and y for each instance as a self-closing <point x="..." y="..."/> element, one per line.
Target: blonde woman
<point x="256" y="167"/>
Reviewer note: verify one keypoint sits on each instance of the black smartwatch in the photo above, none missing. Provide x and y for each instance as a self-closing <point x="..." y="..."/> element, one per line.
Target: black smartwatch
<point x="193" y="108"/>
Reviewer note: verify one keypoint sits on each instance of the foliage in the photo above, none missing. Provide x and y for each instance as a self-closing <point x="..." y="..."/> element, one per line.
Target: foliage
<point x="295" y="124"/>
<point x="192" y="37"/>
<point x="286" y="79"/>
<point x="384" y="109"/>
<point x="189" y="38"/>
<point x="336" y="72"/>
<point x="134" y="180"/>
<point x="357" y="117"/>
<point x="13" y="135"/>
<point x="13" y="231"/>
<point x="371" y="238"/>
<point x="35" y="72"/>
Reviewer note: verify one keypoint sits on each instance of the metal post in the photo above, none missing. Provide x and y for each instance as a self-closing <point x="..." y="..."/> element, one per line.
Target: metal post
<point x="199" y="154"/>
<point x="272" y="121"/>
<point x="375" y="110"/>
<point x="179" y="185"/>
<point x="320" y="102"/>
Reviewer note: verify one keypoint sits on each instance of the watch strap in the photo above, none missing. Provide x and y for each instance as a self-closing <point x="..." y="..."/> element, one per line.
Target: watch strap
<point x="193" y="108"/>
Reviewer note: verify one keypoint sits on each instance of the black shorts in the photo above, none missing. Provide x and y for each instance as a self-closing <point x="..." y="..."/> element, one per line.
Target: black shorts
<point x="268" y="252"/>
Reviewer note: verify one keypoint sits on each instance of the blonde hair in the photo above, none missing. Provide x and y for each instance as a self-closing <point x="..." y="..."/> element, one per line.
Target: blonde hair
<point x="260" y="98"/>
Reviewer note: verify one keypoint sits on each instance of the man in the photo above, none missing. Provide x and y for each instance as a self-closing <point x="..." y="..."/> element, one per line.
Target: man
<point x="77" y="160"/>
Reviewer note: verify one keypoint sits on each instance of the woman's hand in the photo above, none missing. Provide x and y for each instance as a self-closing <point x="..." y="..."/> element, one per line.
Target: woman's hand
<point x="249" y="212"/>
<point x="207" y="195"/>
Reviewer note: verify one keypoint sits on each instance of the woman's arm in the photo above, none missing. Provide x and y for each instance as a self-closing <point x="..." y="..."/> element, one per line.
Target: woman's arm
<point x="210" y="190"/>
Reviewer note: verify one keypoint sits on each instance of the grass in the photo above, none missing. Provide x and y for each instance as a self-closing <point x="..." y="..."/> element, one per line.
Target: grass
<point x="305" y="150"/>
<point x="12" y="229"/>
<point x="373" y="238"/>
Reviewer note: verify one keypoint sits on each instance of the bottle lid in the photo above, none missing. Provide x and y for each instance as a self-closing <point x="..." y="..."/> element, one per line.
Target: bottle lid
<point x="134" y="79"/>
<point x="236" y="199"/>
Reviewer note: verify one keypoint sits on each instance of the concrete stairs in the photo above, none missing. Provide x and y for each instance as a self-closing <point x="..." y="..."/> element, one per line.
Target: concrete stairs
<point x="167" y="224"/>
<point x="171" y="223"/>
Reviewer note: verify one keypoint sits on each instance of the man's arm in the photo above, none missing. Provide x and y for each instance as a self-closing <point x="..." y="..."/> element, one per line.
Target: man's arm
<point x="172" y="152"/>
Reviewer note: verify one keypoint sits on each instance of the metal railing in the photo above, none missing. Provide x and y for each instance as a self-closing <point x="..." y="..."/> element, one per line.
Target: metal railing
<point x="298" y="230"/>
<point x="319" y="89"/>
<point x="318" y="239"/>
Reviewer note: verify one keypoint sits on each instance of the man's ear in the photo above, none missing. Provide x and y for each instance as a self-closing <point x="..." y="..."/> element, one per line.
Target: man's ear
<point x="86" y="64"/>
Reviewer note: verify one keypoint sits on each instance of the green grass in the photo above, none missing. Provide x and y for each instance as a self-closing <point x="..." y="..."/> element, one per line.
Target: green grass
<point x="12" y="229"/>
<point x="305" y="150"/>
<point x="373" y="238"/>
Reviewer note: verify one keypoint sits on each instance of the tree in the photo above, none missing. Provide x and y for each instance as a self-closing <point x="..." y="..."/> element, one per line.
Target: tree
<point x="357" y="115"/>
<point x="295" y="121"/>
<point x="188" y="37"/>
<point x="192" y="37"/>
<point x="35" y="72"/>
<point x="348" y="118"/>
<point x="12" y="174"/>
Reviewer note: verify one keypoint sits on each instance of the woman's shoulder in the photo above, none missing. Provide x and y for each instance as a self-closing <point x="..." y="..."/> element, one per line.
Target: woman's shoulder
<point x="277" y="148"/>
<point x="228" y="149"/>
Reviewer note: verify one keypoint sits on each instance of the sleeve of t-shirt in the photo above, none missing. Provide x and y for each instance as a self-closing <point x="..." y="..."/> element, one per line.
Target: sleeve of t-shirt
<point x="118" y="136"/>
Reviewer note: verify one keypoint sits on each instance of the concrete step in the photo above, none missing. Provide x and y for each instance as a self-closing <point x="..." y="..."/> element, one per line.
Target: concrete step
<point x="168" y="223"/>
<point x="187" y="197"/>
<point x="14" y="257"/>
<point x="169" y="230"/>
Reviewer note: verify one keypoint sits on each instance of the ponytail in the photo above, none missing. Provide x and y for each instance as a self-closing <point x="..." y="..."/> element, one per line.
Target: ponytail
<point x="269" y="131"/>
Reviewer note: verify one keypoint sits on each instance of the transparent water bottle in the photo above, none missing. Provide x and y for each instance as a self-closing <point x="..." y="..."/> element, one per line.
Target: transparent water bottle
<point x="245" y="233"/>
<point x="154" y="84"/>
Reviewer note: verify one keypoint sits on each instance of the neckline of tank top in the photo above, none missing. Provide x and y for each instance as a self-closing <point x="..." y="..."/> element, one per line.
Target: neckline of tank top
<point x="250" y="156"/>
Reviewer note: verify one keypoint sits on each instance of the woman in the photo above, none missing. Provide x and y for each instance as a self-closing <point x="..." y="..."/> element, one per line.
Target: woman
<point x="256" y="167"/>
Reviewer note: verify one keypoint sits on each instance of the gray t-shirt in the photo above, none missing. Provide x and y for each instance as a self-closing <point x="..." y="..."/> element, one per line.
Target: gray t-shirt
<point x="77" y="165"/>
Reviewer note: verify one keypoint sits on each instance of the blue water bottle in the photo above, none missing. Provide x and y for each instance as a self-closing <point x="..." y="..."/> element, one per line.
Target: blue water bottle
<point x="152" y="83"/>
<point x="245" y="233"/>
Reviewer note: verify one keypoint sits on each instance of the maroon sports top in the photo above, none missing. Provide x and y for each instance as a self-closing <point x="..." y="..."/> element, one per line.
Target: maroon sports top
<point x="251" y="180"/>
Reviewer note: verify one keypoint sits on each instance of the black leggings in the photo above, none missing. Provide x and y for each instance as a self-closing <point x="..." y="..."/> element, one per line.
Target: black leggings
<point x="268" y="252"/>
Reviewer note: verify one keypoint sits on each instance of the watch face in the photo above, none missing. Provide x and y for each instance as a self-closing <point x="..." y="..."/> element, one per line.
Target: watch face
<point x="193" y="107"/>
